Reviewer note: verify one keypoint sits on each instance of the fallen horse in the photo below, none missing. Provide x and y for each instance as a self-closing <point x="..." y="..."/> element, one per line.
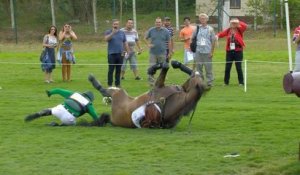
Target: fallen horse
<point x="168" y="103"/>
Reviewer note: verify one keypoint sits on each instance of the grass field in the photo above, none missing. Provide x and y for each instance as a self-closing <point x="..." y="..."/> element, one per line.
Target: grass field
<point x="261" y="125"/>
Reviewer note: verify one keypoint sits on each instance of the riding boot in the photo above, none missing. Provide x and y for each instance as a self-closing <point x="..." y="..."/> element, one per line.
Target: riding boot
<point x="183" y="68"/>
<point x="152" y="70"/>
<point x="96" y="84"/>
<point x="34" y="116"/>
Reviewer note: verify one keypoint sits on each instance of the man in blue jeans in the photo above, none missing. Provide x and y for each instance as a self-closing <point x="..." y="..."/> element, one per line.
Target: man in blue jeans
<point x="116" y="42"/>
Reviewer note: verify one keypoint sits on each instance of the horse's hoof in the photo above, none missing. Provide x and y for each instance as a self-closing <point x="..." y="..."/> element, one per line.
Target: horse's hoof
<point x="165" y="65"/>
<point x="175" y="64"/>
<point x="91" y="78"/>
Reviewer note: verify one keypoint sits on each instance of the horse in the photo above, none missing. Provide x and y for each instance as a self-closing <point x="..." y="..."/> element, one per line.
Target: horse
<point x="175" y="101"/>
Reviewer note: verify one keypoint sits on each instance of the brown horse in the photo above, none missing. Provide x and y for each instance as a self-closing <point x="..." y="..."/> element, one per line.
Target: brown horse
<point x="174" y="101"/>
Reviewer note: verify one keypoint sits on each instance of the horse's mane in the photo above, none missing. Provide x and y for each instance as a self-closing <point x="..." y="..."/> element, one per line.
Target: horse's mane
<point x="186" y="108"/>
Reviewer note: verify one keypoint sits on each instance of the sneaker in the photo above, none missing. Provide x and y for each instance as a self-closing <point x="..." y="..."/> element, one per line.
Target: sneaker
<point x="122" y="78"/>
<point x="241" y="84"/>
<point x="47" y="81"/>
<point x="137" y="78"/>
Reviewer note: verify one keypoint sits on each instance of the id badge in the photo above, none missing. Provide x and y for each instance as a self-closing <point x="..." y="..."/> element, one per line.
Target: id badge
<point x="202" y="42"/>
<point x="232" y="46"/>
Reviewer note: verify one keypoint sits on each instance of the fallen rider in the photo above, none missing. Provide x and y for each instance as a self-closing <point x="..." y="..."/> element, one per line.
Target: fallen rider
<point x="75" y="105"/>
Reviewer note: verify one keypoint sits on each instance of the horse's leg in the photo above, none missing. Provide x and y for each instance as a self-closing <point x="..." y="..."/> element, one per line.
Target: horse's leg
<point x="160" y="82"/>
<point x="183" y="68"/>
<point x="96" y="84"/>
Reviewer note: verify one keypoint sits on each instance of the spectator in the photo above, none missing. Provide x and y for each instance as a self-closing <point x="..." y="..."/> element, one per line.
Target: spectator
<point x="167" y="25"/>
<point x="234" y="48"/>
<point x="296" y="40"/>
<point x="116" y="40"/>
<point x="48" y="62"/>
<point x="185" y="36"/>
<point x="132" y="39"/>
<point x="156" y="39"/>
<point x="205" y="49"/>
<point x="66" y="36"/>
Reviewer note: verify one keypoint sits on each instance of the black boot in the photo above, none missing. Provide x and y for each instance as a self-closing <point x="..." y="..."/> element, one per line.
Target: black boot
<point x="96" y="84"/>
<point x="183" y="68"/>
<point x="152" y="70"/>
<point x="34" y="116"/>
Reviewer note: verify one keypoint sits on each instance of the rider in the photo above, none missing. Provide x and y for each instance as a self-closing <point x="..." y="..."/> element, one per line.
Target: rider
<point x="147" y="116"/>
<point x="75" y="105"/>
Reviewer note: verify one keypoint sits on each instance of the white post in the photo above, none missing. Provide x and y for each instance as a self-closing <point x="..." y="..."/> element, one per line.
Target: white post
<point x="288" y="33"/>
<point x="177" y="15"/>
<point x="245" y="77"/>
<point x="226" y="12"/>
<point x="134" y="14"/>
<point x="12" y="12"/>
<point x="95" y="15"/>
<point x="52" y="12"/>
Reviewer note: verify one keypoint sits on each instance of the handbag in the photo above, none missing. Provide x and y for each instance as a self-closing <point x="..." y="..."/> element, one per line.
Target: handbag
<point x="193" y="44"/>
<point x="43" y="54"/>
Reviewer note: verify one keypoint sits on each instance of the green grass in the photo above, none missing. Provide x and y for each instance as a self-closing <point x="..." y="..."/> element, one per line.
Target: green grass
<point x="262" y="125"/>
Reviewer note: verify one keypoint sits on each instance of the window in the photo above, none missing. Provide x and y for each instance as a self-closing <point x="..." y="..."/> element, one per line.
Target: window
<point x="235" y="4"/>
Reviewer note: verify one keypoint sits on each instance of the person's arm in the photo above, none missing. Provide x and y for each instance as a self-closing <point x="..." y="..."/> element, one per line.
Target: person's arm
<point x="61" y="35"/>
<point x="243" y="26"/>
<point x="172" y="42"/>
<point x="297" y="41"/>
<point x="222" y="33"/>
<point x="92" y="111"/>
<point x="73" y="35"/>
<point x="108" y="35"/>
<point x="137" y="42"/>
<point x="213" y="44"/>
<point x="63" y="92"/>
<point x="45" y="41"/>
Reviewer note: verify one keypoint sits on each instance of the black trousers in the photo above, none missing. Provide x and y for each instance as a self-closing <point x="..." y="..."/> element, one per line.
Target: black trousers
<point x="237" y="58"/>
<point x="115" y="61"/>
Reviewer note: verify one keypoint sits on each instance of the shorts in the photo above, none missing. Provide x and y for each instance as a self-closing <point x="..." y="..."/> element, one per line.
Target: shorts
<point x="63" y="115"/>
<point x="132" y="61"/>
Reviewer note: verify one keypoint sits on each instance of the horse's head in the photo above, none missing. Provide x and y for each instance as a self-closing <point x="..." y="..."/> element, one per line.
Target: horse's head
<point x="152" y="117"/>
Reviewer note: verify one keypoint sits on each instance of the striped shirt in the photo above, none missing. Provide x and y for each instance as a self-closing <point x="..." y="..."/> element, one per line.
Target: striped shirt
<point x="171" y="32"/>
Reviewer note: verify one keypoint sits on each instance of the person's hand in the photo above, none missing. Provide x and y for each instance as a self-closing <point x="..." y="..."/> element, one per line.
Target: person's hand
<point x="210" y="55"/>
<point x="150" y="46"/>
<point x="48" y="93"/>
<point x="217" y="37"/>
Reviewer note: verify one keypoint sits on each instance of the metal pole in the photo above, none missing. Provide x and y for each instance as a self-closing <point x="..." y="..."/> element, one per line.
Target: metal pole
<point x="134" y="13"/>
<point x="274" y="16"/>
<point x="288" y="33"/>
<point x="95" y="16"/>
<point x="114" y="9"/>
<point x="52" y="12"/>
<point x="121" y="11"/>
<point x="13" y="18"/>
<point x="177" y="15"/>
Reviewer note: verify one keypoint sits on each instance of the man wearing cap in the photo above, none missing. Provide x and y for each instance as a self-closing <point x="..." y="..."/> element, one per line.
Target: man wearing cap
<point x="234" y="48"/>
<point x="167" y="25"/>
<point x="205" y="48"/>
<point x="156" y="38"/>
<point x="75" y="105"/>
